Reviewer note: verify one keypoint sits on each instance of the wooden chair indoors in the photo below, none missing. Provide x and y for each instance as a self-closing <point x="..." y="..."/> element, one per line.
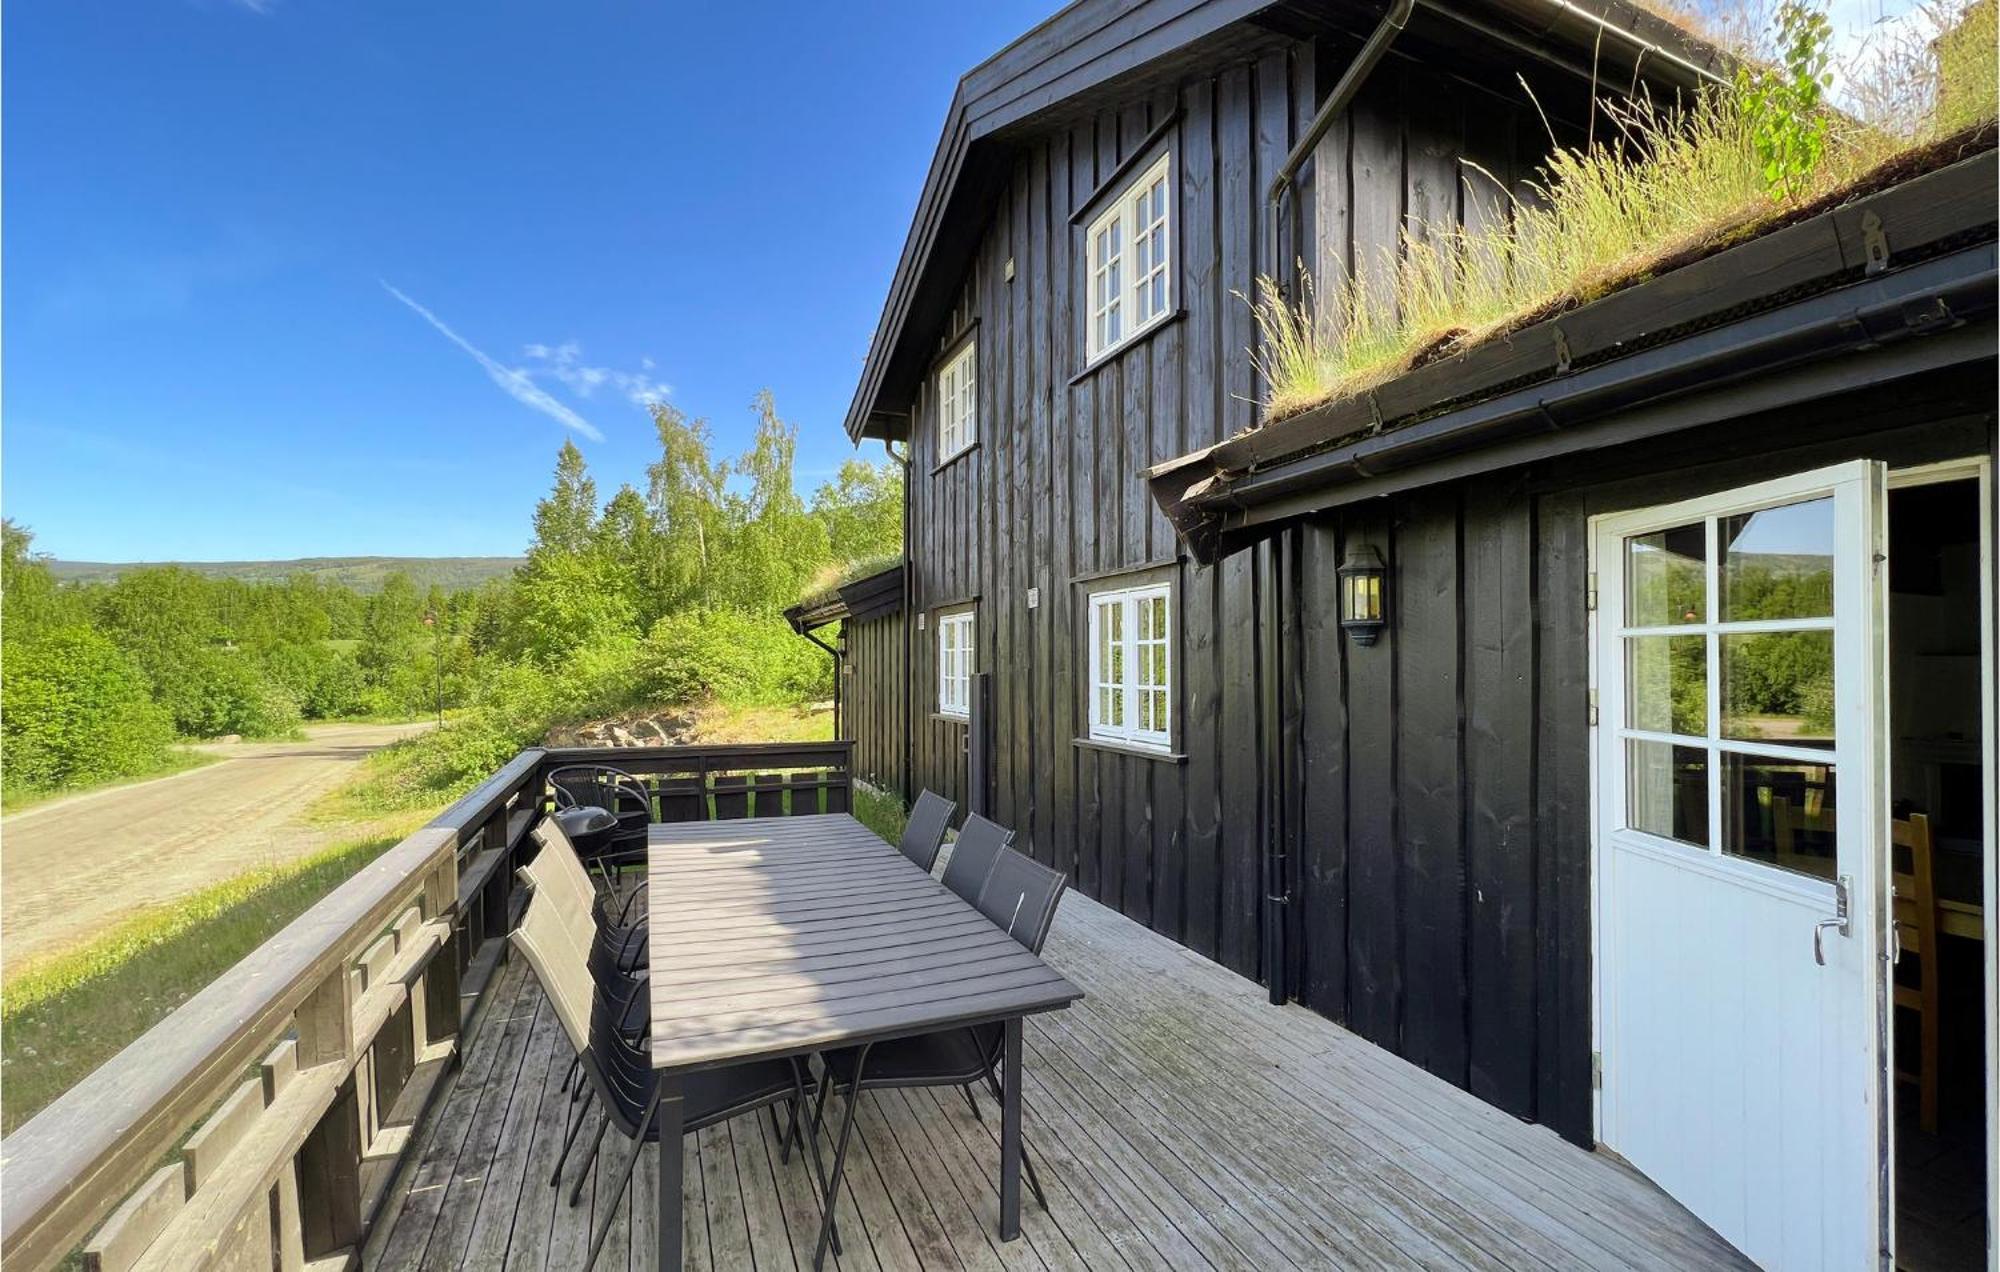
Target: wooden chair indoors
<point x="1915" y="912"/>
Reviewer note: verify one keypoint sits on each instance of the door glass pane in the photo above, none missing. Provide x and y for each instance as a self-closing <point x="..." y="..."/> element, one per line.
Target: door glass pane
<point x="1778" y="563"/>
<point x="1666" y="790"/>
<point x="1666" y="578"/>
<point x="1778" y="687"/>
<point x="1666" y="684"/>
<point x="1780" y="813"/>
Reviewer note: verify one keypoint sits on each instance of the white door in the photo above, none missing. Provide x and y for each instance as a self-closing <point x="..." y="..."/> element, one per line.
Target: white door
<point x="1739" y="653"/>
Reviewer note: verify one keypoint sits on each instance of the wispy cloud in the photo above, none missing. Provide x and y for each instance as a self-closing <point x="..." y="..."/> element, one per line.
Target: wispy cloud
<point x="514" y="382"/>
<point x="564" y="363"/>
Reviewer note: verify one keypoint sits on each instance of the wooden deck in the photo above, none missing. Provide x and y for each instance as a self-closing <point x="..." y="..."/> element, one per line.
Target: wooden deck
<point x="1179" y="1121"/>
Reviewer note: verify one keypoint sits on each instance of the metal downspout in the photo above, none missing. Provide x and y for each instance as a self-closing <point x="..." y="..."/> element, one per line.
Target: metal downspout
<point x="1274" y="868"/>
<point x="909" y="644"/>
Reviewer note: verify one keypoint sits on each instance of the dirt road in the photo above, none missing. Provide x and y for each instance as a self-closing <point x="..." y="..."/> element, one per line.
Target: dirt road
<point x="71" y="866"/>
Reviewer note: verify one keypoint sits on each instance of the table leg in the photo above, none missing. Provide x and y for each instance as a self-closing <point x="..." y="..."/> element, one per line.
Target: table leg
<point x="669" y="1221"/>
<point x="1010" y="1134"/>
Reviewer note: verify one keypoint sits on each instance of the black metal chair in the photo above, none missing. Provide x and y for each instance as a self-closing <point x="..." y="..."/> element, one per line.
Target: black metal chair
<point x="923" y="834"/>
<point x="612" y="789"/>
<point x="1020" y="896"/>
<point x="973" y="853"/>
<point x="621" y="1074"/>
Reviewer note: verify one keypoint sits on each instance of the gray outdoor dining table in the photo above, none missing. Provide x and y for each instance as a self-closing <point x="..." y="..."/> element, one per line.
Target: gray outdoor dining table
<point x="780" y="936"/>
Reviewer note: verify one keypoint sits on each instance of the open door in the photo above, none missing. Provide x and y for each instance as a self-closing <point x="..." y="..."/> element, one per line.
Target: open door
<point x="1740" y="876"/>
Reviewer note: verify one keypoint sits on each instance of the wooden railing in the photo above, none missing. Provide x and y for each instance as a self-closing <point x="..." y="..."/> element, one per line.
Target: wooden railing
<point x="264" y="1122"/>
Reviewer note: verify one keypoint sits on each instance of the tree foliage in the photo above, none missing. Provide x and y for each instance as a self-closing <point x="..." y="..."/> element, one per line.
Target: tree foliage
<point x="663" y="595"/>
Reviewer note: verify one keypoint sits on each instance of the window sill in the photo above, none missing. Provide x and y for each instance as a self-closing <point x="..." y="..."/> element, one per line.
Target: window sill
<point x="954" y="457"/>
<point x="1126" y="748"/>
<point x="1136" y="340"/>
<point x="945" y="717"/>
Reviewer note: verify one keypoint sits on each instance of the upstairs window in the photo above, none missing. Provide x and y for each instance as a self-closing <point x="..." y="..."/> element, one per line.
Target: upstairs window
<point x="958" y="402"/>
<point x="1131" y="667"/>
<point x="1130" y="257"/>
<point x="954" y="662"/>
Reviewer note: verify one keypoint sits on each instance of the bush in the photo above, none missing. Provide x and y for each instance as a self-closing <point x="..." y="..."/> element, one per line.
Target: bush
<point x="733" y="657"/>
<point x="74" y="710"/>
<point x="211" y="692"/>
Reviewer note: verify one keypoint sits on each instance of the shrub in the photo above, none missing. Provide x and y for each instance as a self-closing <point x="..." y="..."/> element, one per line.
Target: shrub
<point x="733" y="657"/>
<point x="74" y="710"/>
<point x="210" y="692"/>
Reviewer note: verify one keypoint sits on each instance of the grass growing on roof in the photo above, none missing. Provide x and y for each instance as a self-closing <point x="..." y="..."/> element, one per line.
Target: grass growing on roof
<point x="63" y="1016"/>
<point x="1668" y="186"/>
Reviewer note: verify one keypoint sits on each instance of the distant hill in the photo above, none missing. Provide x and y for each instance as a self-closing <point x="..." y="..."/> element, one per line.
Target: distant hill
<point x="363" y="574"/>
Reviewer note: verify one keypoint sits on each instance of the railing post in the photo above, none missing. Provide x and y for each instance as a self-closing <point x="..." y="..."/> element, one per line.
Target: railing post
<point x="325" y="1021"/>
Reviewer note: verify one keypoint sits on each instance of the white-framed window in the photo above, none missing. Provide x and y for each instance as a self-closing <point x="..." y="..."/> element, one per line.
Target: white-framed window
<point x="1130" y="261"/>
<point x="954" y="663"/>
<point x="958" y="402"/>
<point x="1131" y="666"/>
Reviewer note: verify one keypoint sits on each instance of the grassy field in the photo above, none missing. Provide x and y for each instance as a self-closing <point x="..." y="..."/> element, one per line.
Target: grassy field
<point x="63" y="1016"/>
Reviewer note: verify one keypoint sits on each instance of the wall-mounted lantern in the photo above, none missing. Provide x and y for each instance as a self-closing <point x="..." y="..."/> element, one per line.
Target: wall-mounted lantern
<point x="1361" y="611"/>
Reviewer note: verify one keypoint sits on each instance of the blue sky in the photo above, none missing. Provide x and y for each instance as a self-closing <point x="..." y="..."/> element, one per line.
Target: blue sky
<point x="335" y="277"/>
<point x="255" y="253"/>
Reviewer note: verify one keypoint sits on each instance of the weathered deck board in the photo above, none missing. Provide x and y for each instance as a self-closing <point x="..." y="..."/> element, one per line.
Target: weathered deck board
<point x="1178" y="1121"/>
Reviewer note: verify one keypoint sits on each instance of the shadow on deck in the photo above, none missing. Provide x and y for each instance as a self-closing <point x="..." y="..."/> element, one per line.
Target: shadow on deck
<point x="1179" y="1121"/>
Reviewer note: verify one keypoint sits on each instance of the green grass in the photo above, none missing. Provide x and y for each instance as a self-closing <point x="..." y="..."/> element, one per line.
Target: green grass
<point x="1668" y="187"/>
<point x="179" y="760"/>
<point x="63" y="1016"/>
<point x="881" y="812"/>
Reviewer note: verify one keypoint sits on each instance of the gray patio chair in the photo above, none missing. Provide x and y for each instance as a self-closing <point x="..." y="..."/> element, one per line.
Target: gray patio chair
<point x="1020" y="896"/>
<point x="923" y="834"/>
<point x="973" y="853"/>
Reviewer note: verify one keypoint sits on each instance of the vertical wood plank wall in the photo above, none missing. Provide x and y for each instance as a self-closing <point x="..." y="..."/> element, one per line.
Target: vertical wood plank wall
<point x="1432" y="858"/>
<point x="872" y="698"/>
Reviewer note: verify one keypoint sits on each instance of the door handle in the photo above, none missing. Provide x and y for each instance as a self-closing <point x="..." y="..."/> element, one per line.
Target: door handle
<point x="1840" y="922"/>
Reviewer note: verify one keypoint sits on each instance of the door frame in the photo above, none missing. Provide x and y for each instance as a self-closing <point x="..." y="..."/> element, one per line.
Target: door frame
<point x="1975" y="467"/>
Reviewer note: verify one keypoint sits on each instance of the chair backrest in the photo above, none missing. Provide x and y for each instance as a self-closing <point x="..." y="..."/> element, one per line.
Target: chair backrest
<point x="1915" y="889"/>
<point x="543" y="938"/>
<point x="1020" y="896"/>
<point x="972" y="855"/>
<point x="556" y="873"/>
<point x="599" y="786"/>
<point x="923" y="834"/>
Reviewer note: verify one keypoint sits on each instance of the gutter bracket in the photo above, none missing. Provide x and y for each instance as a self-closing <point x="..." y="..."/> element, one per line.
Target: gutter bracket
<point x="1374" y="413"/>
<point x="1874" y="243"/>
<point x="1562" y="352"/>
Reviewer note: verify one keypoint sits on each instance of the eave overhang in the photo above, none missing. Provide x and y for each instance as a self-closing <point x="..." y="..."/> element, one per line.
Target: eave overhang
<point x="867" y="597"/>
<point x="1757" y="326"/>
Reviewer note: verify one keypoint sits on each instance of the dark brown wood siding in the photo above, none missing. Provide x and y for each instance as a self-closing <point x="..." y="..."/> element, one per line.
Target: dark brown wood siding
<point x="1431" y="790"/>
<point x="872" y="698"/>
<point x="1052" y="493"/>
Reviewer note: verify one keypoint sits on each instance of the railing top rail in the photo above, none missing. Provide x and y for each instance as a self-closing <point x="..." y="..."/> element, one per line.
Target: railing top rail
<point x="717" y="753"/>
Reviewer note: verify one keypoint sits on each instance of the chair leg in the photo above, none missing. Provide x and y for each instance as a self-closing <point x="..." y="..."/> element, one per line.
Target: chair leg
<point x="972" y="1103"/>
<point x="1034" y="1180"/>
<point x="624" y="1179"/>
<point x="574" y="1118"/>
<point x="818" y="1164"/>
<point x="840" y="1155"/>
<point x="583" y="1172"/>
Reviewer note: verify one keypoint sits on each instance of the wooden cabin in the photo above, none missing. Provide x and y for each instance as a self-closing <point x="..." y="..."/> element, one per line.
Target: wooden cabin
<point x="1470" y="832"/>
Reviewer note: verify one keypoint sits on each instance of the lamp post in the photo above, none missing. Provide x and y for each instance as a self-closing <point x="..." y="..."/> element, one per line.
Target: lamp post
<point x="437" y="653"/>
